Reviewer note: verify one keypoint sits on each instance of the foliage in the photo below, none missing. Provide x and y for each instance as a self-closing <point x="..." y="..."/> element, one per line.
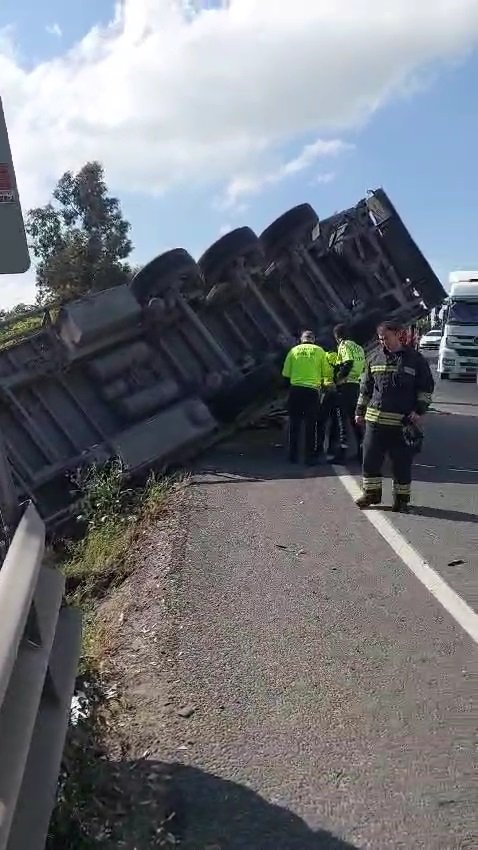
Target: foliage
<point x="23" y="320"/>
<point x="114" y="517"/>
<point x="80" y="239"/>
<point x="20" y="329"/>
<point x="104" y="494"/>
<point x="98" y="562"/>
<point x="18" y="310"/>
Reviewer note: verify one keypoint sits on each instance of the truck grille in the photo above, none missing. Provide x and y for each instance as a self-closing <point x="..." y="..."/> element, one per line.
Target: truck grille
<point x="467" y="352"/>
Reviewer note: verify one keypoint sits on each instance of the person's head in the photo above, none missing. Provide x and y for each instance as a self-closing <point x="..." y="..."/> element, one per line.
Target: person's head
<point x="390" y="335"/>
<point x="307" y="336"/>
<point x="340" y="332"/>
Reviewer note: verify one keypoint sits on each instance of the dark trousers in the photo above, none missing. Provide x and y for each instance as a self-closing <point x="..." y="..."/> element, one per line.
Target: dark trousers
<point x="303" y="408"/>
<point x="327" y="419"/>
<point x="379" y="441"/>
<point x="347" y="402"/>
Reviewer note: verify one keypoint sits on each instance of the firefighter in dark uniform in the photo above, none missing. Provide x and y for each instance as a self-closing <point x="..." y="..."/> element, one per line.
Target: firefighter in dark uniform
<point x="396" y="391"/>
<point x="304" y="369"/>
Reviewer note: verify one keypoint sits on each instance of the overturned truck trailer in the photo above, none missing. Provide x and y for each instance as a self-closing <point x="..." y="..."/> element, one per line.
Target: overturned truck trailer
<point x="153" y="371"/>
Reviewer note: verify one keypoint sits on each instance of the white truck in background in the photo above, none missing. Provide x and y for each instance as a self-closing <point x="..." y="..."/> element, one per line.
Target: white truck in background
<point x="458" y="354"/>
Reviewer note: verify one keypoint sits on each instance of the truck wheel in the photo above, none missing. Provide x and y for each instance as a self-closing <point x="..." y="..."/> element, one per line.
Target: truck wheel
<point x="296" y="224"/>
<point x="173" y="271"/>
<point x="241" y="242"/>
<point x="444" y="376"/>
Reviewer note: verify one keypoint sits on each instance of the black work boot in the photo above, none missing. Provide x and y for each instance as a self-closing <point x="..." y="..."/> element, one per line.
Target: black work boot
<point x="366" y="501"/>
<point x="400" y="506"/>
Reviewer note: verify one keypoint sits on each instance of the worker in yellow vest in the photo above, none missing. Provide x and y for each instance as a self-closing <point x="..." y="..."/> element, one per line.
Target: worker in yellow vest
<point x="304" y="369"/>
<point x="327" y="425"/>
<point x="350" y="368"/>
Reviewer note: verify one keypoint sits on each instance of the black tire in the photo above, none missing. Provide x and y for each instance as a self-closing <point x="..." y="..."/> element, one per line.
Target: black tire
<point x="242" y="242"/>
<point x="444" y="376"/>
<point x="296" y="224"/>
<point x="171" y="271"/>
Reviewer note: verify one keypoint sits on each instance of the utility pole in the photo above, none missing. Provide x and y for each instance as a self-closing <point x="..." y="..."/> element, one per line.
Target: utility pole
<point x="14" y="259"/>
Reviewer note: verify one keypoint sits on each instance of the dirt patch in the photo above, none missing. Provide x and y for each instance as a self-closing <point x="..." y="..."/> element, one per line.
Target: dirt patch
<point x="141" y="628"/>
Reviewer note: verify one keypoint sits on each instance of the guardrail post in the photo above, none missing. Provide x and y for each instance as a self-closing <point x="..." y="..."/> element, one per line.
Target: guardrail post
<point x="39" y="650"/>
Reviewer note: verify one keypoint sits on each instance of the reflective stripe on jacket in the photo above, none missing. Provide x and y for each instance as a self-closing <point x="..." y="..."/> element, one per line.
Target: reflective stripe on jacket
<point x="395" y="385"/>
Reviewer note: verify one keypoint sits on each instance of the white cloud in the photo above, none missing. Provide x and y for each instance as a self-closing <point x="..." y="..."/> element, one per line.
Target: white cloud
<point x="324" y="179"/>
<point x="310" y="153"/>
<point x="54" y="29"/>
<point x="179" y="92"/>
<point x="251" y="184"/>
<point x="172" y="92"/>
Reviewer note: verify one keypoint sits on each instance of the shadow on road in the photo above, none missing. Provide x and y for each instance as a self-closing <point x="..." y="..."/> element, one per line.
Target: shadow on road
<point x="227" y="816"/>
<point x="255" y="454"/>
<point x="450" y="456"/>
<point x="433" y="513"/>
<point x="442" y="513"/>
<point x="142" y="804"/>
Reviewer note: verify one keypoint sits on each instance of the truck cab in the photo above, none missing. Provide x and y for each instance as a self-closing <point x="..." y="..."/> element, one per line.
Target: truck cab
<point x="458" y="354"/>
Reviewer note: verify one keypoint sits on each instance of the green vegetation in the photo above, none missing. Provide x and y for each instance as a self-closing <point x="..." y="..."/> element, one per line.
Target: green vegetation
<point x="18" y="330"/>
<point x="114" y="518"/>
<point x="80" y="243"/>
<point x="80" y="240"/>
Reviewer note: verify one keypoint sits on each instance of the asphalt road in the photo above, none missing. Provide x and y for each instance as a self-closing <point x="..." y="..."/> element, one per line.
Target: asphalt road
<point x="333" y="696"/>
<point x="444" y="525"/>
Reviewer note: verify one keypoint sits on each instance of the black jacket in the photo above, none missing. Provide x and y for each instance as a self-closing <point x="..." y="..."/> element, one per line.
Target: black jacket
<point x="395" y="385"/>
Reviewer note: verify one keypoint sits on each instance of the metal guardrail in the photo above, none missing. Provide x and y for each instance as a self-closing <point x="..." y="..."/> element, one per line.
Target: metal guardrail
<point x="39" y="650"/>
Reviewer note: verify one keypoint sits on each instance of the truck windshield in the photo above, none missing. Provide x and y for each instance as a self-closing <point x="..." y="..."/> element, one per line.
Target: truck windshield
<point x="464" y="312"/>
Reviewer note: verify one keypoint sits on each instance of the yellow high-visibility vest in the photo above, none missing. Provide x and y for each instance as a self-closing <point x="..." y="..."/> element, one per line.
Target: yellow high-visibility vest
<point x="349" y="350"/>
<point x="305" y="365"/>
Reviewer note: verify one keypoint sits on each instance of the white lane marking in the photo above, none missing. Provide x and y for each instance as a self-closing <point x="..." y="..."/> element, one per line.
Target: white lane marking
<point x="446" y="468"/>
<point x="454" y="604"/>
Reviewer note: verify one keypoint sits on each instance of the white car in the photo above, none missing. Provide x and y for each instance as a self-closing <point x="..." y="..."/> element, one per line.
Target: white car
<point x="431" y="340"/>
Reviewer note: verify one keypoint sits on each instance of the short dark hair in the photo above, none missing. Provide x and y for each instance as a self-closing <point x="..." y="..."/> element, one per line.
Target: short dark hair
<point x="390" y="325"/>
<point x="340" y="331"/>
<point x="310" y="335"/>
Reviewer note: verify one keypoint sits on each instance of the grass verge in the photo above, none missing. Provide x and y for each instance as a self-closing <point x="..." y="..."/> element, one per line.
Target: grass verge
<point x="114" y="518"/>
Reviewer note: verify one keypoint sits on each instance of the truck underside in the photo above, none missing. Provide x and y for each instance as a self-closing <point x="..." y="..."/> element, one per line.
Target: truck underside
<point x="153" y="372"/>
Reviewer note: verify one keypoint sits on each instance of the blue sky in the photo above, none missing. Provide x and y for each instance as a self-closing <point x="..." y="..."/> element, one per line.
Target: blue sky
<point x="193" y="146"/>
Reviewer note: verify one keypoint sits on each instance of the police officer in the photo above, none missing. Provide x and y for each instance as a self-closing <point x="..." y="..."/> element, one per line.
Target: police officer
<point x="396" y="389"/>
<point x="350" y="367"/>
<point x="304" y="368"/>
